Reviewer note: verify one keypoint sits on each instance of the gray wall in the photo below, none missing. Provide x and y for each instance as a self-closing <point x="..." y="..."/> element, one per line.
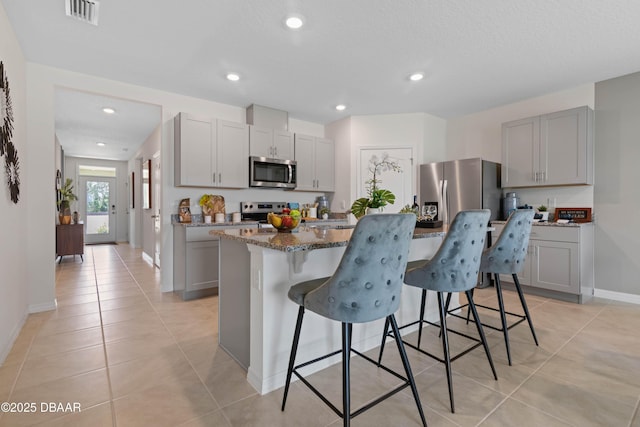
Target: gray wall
<point x="616" y="191"/>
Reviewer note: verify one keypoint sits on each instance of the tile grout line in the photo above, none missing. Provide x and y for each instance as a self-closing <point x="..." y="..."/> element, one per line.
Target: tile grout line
<point x="104" y="344"/>
<point x="172" y="336"/>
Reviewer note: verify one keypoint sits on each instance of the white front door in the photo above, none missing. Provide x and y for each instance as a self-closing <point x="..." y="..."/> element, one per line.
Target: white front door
<point x="399" y="183"/>
<point x="97" y="200"/>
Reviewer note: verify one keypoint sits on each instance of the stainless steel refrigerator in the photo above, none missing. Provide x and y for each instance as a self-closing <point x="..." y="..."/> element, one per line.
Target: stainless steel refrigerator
<point x="460" y="185"/>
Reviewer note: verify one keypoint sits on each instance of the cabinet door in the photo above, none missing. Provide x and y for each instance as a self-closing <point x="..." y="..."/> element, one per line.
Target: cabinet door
<point x="283" y="145"/>
<point x="563" y="147"/>
<point x="202" y="267"/>
<point x="521" y="152"/>
<point x="325" y="164"/>
<point x="232" y="155"/>
<point x="261" y="142"/>
<point x="556" y="266"/>
<point x="304" y="156"/>
<point x="194" y="144"/>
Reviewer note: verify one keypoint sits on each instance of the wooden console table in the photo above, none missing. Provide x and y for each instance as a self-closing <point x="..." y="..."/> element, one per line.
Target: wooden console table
<point x="70" y="240"/>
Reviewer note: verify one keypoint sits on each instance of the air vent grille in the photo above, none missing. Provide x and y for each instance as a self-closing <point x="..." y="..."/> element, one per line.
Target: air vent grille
<point x="83" y="10"/>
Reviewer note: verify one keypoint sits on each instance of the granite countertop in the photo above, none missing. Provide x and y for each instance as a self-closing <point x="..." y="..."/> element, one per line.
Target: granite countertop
<point x="306" y="238"/>
<point x="549" y="224"/>
<point x="214" y="224"/>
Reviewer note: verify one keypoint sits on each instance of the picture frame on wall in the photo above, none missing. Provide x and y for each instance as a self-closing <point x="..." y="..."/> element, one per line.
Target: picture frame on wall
<point x="146" y="184"/>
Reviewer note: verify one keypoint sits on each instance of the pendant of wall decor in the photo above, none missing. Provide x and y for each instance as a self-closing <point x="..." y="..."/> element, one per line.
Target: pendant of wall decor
<point x="11" y="165"/>
<point x="6" y="111"/>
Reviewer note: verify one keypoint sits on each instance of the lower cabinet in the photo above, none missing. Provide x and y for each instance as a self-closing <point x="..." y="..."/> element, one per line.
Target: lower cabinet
<point x="559" y="262"/>
<point x="70" y="240"/>
<point x="196" y="265"/>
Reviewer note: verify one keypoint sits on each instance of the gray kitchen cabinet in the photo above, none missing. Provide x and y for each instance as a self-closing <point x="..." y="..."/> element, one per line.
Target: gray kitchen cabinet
<point x="270" y="143"/>
<point x="196" y="265"/>
<point x="559" y="261"/>
<point x="316" y="163"/>
<point x="210" y="152"/>
<point x="547" y="150"/>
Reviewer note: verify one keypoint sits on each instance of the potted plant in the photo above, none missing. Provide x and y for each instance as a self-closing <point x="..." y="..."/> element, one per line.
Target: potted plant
<point x="377" y="198"/>
<point x="542" y="209"/>
<point x="65" y="197"/>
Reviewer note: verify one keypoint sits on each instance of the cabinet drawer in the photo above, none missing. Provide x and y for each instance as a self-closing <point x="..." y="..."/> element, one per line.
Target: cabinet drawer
<point x="555" y="234"/>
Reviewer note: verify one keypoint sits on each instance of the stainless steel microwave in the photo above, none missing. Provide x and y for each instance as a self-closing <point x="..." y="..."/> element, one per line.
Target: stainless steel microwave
<point x="272" y="173"/>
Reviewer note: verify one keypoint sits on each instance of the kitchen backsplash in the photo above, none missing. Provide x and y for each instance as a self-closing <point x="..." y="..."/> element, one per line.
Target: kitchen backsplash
<point x="579" y="196"/>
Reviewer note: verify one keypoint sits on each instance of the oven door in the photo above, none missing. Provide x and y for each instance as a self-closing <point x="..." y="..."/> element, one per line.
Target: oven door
<point x="272" y="173"/>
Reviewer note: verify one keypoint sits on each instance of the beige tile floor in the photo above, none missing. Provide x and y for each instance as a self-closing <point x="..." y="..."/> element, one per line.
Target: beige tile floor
<point x="133" y="356"/>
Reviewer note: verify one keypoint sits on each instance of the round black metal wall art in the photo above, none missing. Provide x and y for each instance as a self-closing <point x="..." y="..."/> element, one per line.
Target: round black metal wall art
<point x="6" y="111"/>
<point x="12" y="168"/>
<point x="7" y="149"/>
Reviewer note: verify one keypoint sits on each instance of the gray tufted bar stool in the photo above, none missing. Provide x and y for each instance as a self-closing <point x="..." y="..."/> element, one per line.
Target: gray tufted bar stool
<point x="366" y="286"/>
<point x="454" y="268"/>
<point x="507" y="256"/>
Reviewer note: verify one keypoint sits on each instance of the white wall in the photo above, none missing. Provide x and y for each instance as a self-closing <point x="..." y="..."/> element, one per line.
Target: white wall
<point x="14" y="287"/>
<point x="617" y="198"/>
<point x="423" y="133"/>
<point x="480" y="135"/>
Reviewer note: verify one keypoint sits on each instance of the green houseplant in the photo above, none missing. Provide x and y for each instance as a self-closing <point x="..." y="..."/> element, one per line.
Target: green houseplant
<point x="377" y="198"/>
<point x="65" y="197"/>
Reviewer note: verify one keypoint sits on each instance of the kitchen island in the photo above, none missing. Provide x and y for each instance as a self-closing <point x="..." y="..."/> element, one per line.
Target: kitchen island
<point x="257" y="319"/>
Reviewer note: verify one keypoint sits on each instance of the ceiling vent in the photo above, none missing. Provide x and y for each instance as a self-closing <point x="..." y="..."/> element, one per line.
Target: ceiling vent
<point x="83" y="10"/>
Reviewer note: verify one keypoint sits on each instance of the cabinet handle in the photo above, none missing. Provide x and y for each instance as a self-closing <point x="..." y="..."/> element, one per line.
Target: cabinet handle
<point x="220" y="178"/>
<point x="275" y="151"/>
<point x="544" y="176"/>
<point x="317" y="183"/>
<point x="214" y="177"/>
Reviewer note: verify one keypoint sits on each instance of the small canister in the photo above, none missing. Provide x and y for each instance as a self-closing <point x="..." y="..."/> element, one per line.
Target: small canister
<point x="235" y="217"/>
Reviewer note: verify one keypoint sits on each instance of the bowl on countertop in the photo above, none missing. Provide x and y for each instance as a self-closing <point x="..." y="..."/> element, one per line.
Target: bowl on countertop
<point x="283" y="222"/>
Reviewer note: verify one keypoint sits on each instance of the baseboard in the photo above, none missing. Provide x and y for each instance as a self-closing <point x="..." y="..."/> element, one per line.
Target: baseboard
<point x="45" y="306"/>
<point x="617" y="296"/>
<point x="6" y="348"/>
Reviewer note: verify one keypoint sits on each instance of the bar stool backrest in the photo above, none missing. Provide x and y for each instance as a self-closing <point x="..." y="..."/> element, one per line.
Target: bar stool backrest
<point x="508" y="253"/>
<point x="366" y="285"/>
<point x="455" y="267"/>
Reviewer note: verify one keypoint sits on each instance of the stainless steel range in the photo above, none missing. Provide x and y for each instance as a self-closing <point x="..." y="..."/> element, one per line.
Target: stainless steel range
<point x="257" y="211"/>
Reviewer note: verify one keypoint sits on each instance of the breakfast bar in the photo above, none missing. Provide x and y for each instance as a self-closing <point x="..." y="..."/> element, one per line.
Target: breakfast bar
<point x="256" y="318"/>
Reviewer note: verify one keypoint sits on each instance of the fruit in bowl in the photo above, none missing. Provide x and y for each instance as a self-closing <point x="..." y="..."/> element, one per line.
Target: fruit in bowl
<point x="283" y="222"/>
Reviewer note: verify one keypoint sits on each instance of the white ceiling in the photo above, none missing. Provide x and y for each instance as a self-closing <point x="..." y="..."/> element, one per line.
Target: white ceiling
<point x="475" y="54"/>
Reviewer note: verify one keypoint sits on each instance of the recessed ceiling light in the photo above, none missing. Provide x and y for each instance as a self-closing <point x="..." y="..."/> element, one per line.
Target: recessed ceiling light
<point x="108" y="110"/>
<point x="100" y="144"/>
<point x="233" y="77"/>
<point x="341" y="107"/>
<point x="294" y="21"/>
<point x="416" y="77"/>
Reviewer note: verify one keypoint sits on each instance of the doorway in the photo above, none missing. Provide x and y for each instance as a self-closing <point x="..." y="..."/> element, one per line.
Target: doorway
<point x="97" y="204"/>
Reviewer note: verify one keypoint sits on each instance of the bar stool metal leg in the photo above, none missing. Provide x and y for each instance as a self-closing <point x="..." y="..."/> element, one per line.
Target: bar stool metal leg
<point x="346" y="374"/>
<point x="524" y="306"/>
<point x="407" y="367"/>
<point x="292" y="357"/>
<point x="483" y="338"/>
<point x="445" y="345"/>
<point x="503" y="317"/>
<point x="422" y="308"/>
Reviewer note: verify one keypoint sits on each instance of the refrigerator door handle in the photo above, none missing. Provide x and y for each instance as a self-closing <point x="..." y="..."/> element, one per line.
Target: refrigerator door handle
<point x="445" y="201"/>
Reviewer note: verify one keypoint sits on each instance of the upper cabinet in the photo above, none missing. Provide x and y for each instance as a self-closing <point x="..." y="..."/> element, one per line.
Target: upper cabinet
<point x="270" y="143"/>
<point x="315" y="163"/>
<point x="210" y="152"/>
<point x="548" y="150"/>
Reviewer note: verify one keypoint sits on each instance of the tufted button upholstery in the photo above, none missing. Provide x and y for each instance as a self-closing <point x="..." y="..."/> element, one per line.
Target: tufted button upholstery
<point x="455" y="267"/>
<point x="508" y="253"/>
<point x="367" y="283"/>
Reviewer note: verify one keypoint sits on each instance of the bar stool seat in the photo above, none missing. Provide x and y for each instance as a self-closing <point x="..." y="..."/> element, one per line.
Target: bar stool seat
<point x="454" y="268"/>
<point x="366" y="286"/>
